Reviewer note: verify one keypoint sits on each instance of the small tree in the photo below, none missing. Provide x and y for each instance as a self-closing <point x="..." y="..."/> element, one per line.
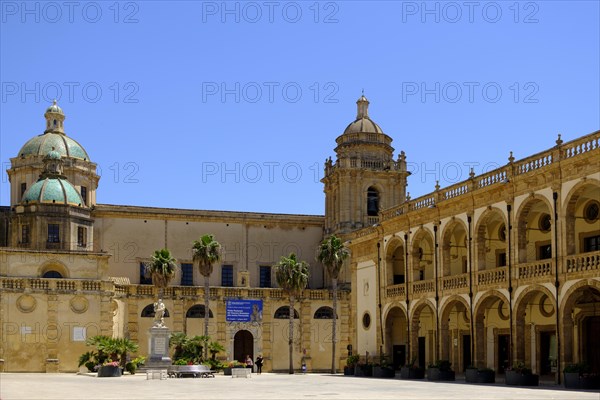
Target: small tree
<point x="332" y="253"/>
<point x="292" y="277"/>
<point x="206" y="252"/>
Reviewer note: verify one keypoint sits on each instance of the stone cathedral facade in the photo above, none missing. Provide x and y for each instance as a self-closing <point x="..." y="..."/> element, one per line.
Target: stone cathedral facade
<point x="504" y="266"/>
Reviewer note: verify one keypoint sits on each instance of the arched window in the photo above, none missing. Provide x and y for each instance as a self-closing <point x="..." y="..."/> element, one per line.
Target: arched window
<point x="197" y="311"/>
<point x="284" y="313"/>
<point x="372" y="202"/>
<point x="148" y="312"/>
<point x="324" y="313"/>
<point x="52" y="274"/>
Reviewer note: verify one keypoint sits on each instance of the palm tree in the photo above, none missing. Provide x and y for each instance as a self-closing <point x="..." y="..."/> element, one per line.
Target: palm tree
<point x="207" y="252"/>
<point x="292" y="277"/>
<point x="161" y="268"/>
<point x="124" y="346"/>
<point x="332" y="253"/>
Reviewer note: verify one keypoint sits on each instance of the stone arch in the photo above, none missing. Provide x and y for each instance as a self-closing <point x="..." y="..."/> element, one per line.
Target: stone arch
<point x="577" y="343"/>
<point x="283" y="312"/>
<point x="526" y="298"/>
<point x="487" y="332"/>
<point x="529" y="245"/>
<point x="452" y="331"/>
<point x="445" y="305"/>
<point x="198" y="311"/>
<point x="454" y="248"/>
<point x="420" y="327"/>
<point x="489" y="246"/>
<point x="575" y="199"/>
<point x="380" y="195"/>
<point x="148" y="312"/>
<point x="395" y="327"/>
<point x="53" y="265"/>
<point x="422" y="255"/>
<point x="395" y="261"/>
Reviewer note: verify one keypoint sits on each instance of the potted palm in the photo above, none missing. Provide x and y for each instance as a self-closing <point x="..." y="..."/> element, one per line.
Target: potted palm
<point x="520" y="375"/>
<point x="383" y="370"/>
<point x="480" y="375"/>
<point x="440" y="371"/>
<point x="579" y="376"/>
<point x="412" y="371"/>
<point x="351" y="362"/>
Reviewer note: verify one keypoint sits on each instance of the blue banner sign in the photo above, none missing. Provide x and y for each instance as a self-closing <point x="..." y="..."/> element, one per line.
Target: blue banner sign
<point x="244" y="311"/>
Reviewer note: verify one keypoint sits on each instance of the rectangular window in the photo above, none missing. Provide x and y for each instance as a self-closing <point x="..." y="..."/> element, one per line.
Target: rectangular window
<point x="53" y="233"/>
<point x="421" y="275"/>
<point x="187" y="274"/>
<point x="227" y="275"/>
<point x="25" y="234"/>
<point x="84" y="195"/>
<point x="501" y="261"/>
<point x="23" y="189"/>
<point x="81" y="236"/>
<point x="591" y="243"/>
<point x="398" y="279"/>
<point x="143" y="279"/>
<point x="545" y="252"/>
<point x="265" y="276"/>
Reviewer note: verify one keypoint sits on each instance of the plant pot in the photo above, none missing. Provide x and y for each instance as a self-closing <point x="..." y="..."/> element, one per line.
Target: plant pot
<point x="573" y="380"/>
<point x="227" y="371"/>
<point x="473" y="375"/>
<point x="383" y="372"/>
<point x="109" y="371"/>
<point x="349" y="371"/>
<point x="514" y="378"/>
<point x="411" y="373"/>
<point x="363" y="370"/>
<point x="435" y="374"/>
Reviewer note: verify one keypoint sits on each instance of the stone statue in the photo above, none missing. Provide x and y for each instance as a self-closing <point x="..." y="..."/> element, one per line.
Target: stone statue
<point x="159" y="314"/>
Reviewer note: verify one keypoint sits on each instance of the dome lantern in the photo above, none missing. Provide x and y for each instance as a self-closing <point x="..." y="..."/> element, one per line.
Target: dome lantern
<point x="54" y="119"/>
<point x="362" y="105"/>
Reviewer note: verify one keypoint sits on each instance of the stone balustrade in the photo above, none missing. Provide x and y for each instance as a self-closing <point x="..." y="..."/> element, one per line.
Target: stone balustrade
<point x="583" y="262"/>
<point x="492" y="276"/>
<point x="535" y="269"/>
<point x="396" y="291"/>
<point x="455" y="282"/>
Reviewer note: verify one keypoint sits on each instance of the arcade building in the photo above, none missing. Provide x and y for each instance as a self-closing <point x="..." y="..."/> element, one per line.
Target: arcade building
<point x="504" y="266"/>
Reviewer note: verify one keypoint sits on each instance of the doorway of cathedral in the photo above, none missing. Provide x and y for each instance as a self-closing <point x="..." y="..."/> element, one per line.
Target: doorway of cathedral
<point x="243" y="345"/>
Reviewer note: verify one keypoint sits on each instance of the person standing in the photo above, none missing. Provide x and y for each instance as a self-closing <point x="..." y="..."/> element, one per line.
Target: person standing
<point x="249" y="363"/>
<point x="259" y="364"/>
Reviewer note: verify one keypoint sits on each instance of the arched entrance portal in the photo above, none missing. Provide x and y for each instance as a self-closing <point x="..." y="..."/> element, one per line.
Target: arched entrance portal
<point x="243" y="345"/>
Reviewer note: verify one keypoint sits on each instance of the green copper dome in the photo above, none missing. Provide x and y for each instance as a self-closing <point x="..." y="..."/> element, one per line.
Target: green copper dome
<point x="53" y="190"/>
<point x="64" y="145"/>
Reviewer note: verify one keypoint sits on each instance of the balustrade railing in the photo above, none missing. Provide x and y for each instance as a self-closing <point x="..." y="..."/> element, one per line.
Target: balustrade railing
<point x="455" y="282"/>
<point x="501" y="175"/>
<point x="396" y="291"/>
<point x="423" y="286"/>
<point x="535" y="269"/>
<point x="492" y="276"/>
<point x="583" y="262"/>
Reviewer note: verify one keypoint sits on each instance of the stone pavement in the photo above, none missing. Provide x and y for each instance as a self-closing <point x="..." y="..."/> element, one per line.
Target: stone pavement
<point x="264" y="387"/>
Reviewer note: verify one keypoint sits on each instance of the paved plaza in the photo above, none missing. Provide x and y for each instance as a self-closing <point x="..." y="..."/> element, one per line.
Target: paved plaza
<point x="266" y="386"/>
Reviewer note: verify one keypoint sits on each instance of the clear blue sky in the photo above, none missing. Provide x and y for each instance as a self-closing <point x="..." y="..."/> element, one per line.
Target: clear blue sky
<point x="235" y="106"/>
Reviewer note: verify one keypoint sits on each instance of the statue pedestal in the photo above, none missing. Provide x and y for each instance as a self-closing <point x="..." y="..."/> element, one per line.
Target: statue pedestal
<point x="159" y="348"/>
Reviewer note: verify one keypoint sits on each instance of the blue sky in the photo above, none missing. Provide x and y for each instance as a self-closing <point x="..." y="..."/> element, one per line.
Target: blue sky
<point x="236" y="105"/>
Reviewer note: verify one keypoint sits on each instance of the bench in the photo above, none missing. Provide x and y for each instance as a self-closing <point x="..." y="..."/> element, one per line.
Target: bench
<point x="156" y="374"/>
<point x="241" y="372"/>
<point x="197" y="371"/>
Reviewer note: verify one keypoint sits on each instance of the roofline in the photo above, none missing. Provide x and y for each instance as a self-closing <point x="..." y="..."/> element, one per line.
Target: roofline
<point x="211" y="214"/>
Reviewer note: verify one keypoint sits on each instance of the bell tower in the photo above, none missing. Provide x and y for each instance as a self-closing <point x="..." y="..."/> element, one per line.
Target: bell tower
<point x="365" y="178"/>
